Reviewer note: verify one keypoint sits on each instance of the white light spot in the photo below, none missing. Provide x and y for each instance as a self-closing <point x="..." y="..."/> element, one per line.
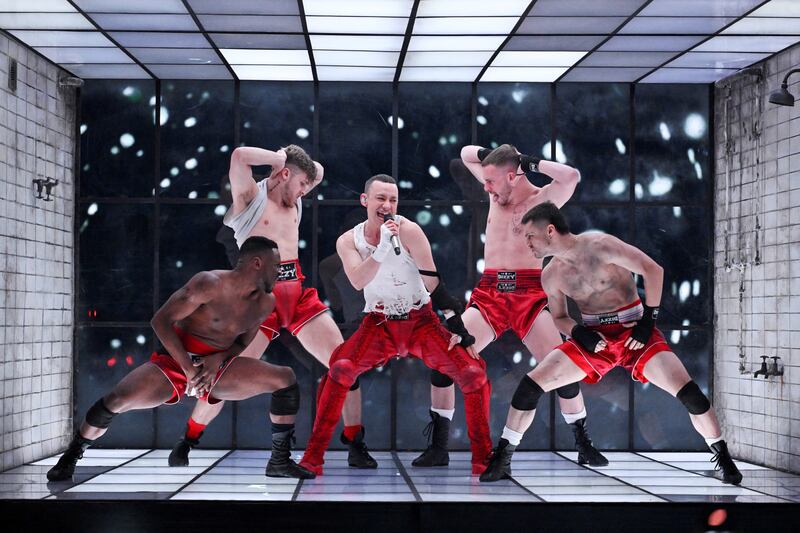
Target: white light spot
<point x="139" y="153"/>
<point x="201" y="149"/>
<point x="561" y="157"/>
<point x="481" y="120"/>
<point x="698" y="170"/>
<point x="638" y="190"/>
<point x="152" y="101"/>
<point x="433" y="171"/>
<point x="302" y="244"/>
<point x="618" y="186"/>
<point x="92" y="209"/>
<point x="84" y="127"/>
<point x="247" y="125"/>
<point x="206" y="95"/>
<point x="483" y="238"/>
<point x="532" y="362"/>
<point x="302" y="133"/>
<point x="128" y="91"/>
<point x="192" y="195"/>
<point x="517" y="357"/>
<point x="164" y="115"/>
<point x="694" y="126"/>
<point x="190" y="122"/>
<point x="467" y="295"/>
<point x="220" y="210"/>
<point x="690" y="153"/>
<point x="224" y="148"/>
<point x="696" y="287"/>
<point x="115" y="150"/>
<point x="213" y="195"/>
<point x="140" y="339"/>
<point x="165" y="183"/>
<point x="405" y="184"/>
<point x="179" y="264"/>
<point x="519" y="95"/>
<point x="86" y="167"/>
<point x="664" y="130"/>
<point x="189" y="96"/>
<point x="660" y="185"/>
<point x="453" y="139"/>
<point x="621" y="148"/>
<point x="320" y="197"/>
<point x="190" y="164"/>
<point x="126" y="140"/>
<point x="482" y="100"/>
<point x="423" y="218"/>
<point x="684" y="290"/>
<point x="442" y="141"/>
<point x="676" y="211"/>
<point x="444" y="220"/>
<point x="116" y="343"/>
<point x="457" y="209"/>
<point x="685" y="332"/>
<point x="480" y="264"/>
<point x="174" y="171"/>
<point x="675" y="336"/>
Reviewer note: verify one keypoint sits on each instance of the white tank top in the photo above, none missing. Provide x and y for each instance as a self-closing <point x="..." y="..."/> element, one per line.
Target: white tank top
<point x="397" y="287"/>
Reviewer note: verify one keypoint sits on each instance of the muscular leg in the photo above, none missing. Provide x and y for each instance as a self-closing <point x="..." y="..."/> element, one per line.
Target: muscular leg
<point x="667" y="372"/>
<point x="540" y="340"/>
<point x="204" y="412"/>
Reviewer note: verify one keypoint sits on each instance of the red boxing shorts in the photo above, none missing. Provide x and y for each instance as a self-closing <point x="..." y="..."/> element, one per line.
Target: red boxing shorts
<point x="172" y="370"/>
<point x="295" y="305"/>
<point x="610" y="325"/>
<point x="510" y="299"/>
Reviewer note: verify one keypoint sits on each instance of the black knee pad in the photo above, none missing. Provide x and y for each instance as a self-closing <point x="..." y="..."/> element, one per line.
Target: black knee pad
<point x="693" y="399"/>
<point x="527" y="395"/>
<point x="99" y="416"/>
<point x="356" y="384"/>
<point x="569" y="391"/>
<point x="285" y="401"/>
<point x="440" y="380"/>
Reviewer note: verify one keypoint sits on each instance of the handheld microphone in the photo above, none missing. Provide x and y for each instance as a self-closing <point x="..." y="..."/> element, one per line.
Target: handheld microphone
<point x="395" y="240"/>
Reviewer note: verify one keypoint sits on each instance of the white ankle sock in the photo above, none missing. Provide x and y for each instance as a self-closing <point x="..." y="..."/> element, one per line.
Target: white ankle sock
<point x="713" y="440"/>
<point x="447" y="413"/>
<point x="574" y="417"/>
<point x="513" y="437"/>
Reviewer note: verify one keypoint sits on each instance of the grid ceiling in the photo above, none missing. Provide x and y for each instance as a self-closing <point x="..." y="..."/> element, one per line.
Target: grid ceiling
<point x="656" y="41"/>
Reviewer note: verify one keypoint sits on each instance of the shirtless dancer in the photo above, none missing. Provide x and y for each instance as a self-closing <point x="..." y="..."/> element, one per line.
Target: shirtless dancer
<point x="509" y="294"/>
<point x="272" y="208"/>
<point x="618" y="329"/>
<point x="390" y="259"/>
<point x="203" y="327"/>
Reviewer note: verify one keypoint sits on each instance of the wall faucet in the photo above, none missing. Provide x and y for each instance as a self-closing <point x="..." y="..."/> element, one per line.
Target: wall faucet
<point x="763" y="370"/>
<point x="773" y="368"/>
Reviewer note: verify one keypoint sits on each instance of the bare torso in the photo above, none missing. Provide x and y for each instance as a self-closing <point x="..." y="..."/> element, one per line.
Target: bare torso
<point x="280" y="224"/>
<point x="506" y="247"/>
<point x="596" y="286"/>
<point x="228" y="314"/>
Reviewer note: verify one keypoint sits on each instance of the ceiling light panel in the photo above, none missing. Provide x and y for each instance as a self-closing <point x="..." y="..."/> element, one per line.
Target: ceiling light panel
<point x="675" y="25"/>
<point x="529" y="74"/>
<point x="718" y="59"/>
<point x="355" y="58"/>
<point x="464" y="25"/>
<point x="44" y="21"/>
<point x="257" y="23"/>
<point x="778" y="8"/>
<point x="765" y="26"/>
<point x="358" y="8"/>
<point x="84" y="55"/>
<point x="436" y="43"/>
<point x="650" y="43"/>
<point x="159" y="39"/>
<point x="439" y="59"/>
<point x="687" y="75"/>
<point x="627" y="59"/>
<point x="742" y="43"/>
<point x="108" y="72"/>
<point x="585" y="8"/>
<point x="133" y="6"/>
<point x="472" y="8"/>
<point x="259" y="41"/>
<point x="265" y="57"/>
<point x="606" y="74"/>
<point x="186" y="56"/>
<point x="40" y="6"/>
<point x="144" y="22"/>
<point x="693" y="8"/>
<point x="35" y="38"/>
<point x="374" y="25"/>
<point x="245" y="7"/>
<point x="386" y="43"/>
<point x="440" y="74"/>
<point x="537" y="59"/>
<point x="569" y="25"/>
<point x="273" y="72"/>
<point x="554" y="42"/>
<point x="355" y="74"/>
<point x="190" y="72"/>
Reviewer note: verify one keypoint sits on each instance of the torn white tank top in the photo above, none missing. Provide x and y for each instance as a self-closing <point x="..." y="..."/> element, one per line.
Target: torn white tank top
<point x="243" y="222"/>
<point x="397" y="287"/>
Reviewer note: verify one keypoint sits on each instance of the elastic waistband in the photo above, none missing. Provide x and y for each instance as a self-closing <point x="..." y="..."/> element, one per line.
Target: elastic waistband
<point x="629" y="313"/>
<point x="193" y="345"/>
<point x="412" y="313"/>
<point x="290" y="271"/>
<point x="511" y="280"/>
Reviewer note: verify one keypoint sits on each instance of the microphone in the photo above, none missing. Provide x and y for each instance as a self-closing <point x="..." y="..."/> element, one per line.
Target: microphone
<point x="395" y="240"/>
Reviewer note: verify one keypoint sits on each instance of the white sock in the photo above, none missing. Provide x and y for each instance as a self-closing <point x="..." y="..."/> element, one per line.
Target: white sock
<point x="513" y="437"/>
<point x="713" y="440"/>
<point x="574" y="417"/>
<point x="447" y="413"/>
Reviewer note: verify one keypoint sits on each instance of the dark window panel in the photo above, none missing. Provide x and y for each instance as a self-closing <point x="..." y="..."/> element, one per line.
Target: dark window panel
<point x="116" y="262"/>
<point x="593" y="136"/>
<point x="672" y="143"/>
<point x="435" y="126"/>
<point x="355" y="139"/>
<point x="661" y="421"/>
<point x="117" y="138"/>
<point x="196" y="137"/>
<point x="103" y="357"/>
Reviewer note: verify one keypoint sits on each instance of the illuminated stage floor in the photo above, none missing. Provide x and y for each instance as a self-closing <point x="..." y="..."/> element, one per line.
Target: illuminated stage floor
<point x="539" y="477"/>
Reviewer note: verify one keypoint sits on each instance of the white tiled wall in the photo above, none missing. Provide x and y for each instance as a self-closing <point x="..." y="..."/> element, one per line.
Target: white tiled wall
<point x="36" y="242"/>
<point x="761" y="418"/>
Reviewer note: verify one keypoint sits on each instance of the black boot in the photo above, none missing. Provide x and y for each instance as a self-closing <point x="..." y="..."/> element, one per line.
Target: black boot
<point x="179" y="456"/>
<point x="587" y="453"/>
<point x="499" y="462"/>
<point x="280" y="463"/>
<point x="65" y="466"/>
<point x="358" y="455"/>
<point x="438" y="432"/>
<point x="730" y="474"/>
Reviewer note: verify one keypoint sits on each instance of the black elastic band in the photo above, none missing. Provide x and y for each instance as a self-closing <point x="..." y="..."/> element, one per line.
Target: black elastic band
<point x="431" y="273"/>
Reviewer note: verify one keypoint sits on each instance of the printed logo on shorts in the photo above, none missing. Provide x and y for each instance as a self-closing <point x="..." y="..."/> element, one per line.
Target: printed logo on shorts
<point x="404" y="316"/>
<point x="506" y="286"/>
<point x="287" y="271"/>
<point x="605" y="320"/>
<point x="506" y="276"/>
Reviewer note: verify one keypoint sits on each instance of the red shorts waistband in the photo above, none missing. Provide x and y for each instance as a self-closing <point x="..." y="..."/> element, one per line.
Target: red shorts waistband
<point x="511" y="280"/>
<point x="625" y="314"/>
<point x="290" y="271"/>
<point x="193" y="345"/>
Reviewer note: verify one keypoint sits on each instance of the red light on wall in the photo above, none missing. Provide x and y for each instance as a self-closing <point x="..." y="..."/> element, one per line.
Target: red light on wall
<point x="129" y="360"/>
<point x="92" y="313"/>
<point x="111" y="361"/>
